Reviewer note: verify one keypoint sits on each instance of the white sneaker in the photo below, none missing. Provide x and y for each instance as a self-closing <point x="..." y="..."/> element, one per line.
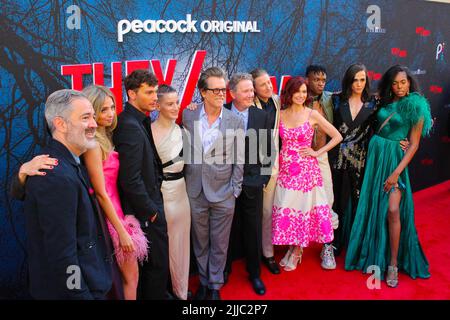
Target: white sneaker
<point x="327" y="256"/>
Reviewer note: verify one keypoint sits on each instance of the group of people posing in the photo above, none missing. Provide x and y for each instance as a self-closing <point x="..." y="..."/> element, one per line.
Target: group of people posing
<point x="115" y="203"/>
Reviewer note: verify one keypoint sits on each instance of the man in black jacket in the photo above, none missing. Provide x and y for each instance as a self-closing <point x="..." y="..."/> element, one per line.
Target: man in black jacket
<point x="248" y="211"/>
<point x="140" y="178"/>
<point x="67" y="253"/>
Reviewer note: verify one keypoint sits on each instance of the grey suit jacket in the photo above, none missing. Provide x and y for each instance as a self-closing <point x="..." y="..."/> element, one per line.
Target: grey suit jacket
<point x="219" y="171"/>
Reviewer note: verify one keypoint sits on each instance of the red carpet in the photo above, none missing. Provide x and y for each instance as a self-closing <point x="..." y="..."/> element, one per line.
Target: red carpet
<point x="310" y="282"/>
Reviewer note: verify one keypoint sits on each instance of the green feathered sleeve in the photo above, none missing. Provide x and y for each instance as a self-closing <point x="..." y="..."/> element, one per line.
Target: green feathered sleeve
<point x="414" y="108"/>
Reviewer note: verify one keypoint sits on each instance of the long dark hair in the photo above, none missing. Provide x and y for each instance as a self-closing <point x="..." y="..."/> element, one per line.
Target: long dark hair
<point x="348" y="79"/>
<point x="385" y="85"/>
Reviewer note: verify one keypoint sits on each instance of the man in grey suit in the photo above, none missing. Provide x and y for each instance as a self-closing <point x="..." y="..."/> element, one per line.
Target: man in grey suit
<point x="214" y="155"/>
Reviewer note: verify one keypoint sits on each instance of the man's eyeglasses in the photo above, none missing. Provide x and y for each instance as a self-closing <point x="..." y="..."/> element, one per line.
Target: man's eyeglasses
<point x="216" y="91"/>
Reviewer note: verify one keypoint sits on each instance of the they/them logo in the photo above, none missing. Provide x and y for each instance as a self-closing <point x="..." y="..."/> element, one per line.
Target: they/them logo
<point x="373" y="23"/>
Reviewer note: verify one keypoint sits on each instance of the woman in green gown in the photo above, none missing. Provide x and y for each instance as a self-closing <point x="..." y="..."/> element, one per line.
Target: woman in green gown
<point x="383" y="233"/>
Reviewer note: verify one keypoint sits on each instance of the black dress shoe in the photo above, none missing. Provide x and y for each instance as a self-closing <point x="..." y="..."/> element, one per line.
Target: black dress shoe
<point x="202" y="293"/>
<point x="271" y="264"/>
<point x="214" y="295"/>
<point x="258" y="286"/>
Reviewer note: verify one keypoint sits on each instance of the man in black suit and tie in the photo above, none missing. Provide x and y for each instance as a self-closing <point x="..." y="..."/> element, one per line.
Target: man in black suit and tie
<point x="140" y="178"/>
<point x="67" y="253"/>
<point x="248" y="211"/>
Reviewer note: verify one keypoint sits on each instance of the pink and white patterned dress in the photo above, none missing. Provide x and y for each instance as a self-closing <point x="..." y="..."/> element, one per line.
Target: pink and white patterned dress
<point x="301" y="213"/>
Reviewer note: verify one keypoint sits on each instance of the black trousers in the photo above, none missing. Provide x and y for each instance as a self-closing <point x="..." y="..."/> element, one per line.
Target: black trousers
<point x="246" y="230"/>
<point x="346" y="188"/>
<point x="154" y="273"/>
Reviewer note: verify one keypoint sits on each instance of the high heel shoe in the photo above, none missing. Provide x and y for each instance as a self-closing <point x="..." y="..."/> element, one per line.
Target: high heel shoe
<point x="293" y="261"/>
<point x="285" y="260"/>
<point x="392" y="277"/>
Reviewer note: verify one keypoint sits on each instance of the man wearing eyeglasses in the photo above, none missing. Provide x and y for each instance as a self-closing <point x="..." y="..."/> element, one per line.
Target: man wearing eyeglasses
<point x="214" y="157"/>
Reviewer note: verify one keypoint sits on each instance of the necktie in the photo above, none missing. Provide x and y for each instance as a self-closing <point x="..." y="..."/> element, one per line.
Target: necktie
<point x="242" y="115"/>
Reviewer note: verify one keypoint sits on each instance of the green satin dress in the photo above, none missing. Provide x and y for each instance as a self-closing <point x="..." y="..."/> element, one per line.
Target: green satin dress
<point x="369" y="238"/>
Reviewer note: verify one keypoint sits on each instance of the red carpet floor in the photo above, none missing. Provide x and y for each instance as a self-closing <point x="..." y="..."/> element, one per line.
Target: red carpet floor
<point x="310" y="282"/>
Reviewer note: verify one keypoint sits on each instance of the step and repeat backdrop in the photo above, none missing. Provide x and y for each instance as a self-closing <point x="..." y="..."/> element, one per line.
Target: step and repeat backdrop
<point x="49" y="45"/>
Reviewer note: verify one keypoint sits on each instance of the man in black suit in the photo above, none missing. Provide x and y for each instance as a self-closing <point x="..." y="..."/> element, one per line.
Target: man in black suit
<point x="140" y="178"/>
<point x="67" y="254"/>
<point x="248" y="211"/>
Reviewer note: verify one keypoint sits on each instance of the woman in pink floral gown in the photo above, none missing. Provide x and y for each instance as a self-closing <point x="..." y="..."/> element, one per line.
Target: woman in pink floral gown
<point x="301" y="213"/>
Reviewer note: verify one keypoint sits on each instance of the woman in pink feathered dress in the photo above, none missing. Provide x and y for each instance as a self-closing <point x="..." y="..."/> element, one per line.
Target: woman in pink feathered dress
<point x="102" y="163"/>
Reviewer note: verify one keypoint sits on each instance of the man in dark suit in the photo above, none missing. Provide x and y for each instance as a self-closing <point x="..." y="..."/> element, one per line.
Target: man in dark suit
<point x="67" y="254"/>
<point x="140" y="178"/>
<point x="247" y="221"/>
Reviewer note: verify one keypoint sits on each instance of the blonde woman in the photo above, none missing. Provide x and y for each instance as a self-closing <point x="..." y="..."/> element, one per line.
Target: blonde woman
<point x="102" y="163"/>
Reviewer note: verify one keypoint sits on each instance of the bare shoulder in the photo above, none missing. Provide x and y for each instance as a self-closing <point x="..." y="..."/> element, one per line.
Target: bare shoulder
<point x="315" y="118"/>
<point x="283" y="114"/>
<point x="93" y="151"/>
<point x="93" y="156"/>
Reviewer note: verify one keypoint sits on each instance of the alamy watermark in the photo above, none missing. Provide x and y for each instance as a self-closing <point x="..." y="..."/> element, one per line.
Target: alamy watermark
<point x="73" y="281"/>
<point x="229" y="148"/>
<point x="73" y="22"/>
<point x="374" y="281"/>
<point x="373" y="22"/>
